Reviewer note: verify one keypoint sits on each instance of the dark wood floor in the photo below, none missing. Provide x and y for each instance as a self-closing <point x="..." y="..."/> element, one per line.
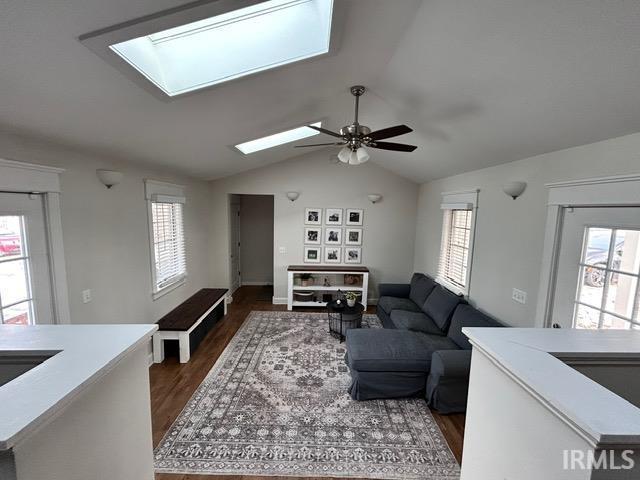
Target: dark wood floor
<point x="172" y="383"/>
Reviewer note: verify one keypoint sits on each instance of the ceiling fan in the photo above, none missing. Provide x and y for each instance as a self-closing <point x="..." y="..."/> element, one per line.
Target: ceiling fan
<point x="354" y="137"/>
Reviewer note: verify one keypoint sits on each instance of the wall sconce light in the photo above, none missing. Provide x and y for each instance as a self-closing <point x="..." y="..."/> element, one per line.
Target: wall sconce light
<point x="293" y="196"/>
<point x="109" y="178"/>
<point x="514" y="189"/>
<point x="374" y="197"/>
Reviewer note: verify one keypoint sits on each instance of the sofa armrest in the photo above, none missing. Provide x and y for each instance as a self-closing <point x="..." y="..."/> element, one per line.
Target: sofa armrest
<point x="451" y="363"/>
<point x="400" y="290"/>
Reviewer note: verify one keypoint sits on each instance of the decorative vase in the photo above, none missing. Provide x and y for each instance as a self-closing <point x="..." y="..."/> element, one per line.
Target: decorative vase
<point x="351" y="302"/>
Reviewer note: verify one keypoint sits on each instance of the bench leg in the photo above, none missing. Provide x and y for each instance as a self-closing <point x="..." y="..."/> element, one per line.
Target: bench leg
<point x="185" y="351"/>
<point x="158" y="348"/>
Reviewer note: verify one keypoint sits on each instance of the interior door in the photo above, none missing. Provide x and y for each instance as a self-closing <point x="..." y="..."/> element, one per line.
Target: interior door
<point x="25" y="279"/>
<point x="234" y="246"/>
<point x="598" y="269"/>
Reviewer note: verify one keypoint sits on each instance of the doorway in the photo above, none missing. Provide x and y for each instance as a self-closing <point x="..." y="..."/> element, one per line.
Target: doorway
<point x="598" y="273"/>
<point x="251" y="241"/>
<point x="25" y="278"/>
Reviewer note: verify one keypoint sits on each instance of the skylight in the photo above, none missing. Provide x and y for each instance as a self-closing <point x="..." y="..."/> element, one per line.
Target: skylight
<point x="276" y="139"/>
<point x="230" y="45"/>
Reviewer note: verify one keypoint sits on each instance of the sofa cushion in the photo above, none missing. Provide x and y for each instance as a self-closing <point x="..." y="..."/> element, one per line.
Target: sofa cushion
<point x="388" y="304"/>
<point x="415" y="321"/>
<point x="440" y="305"/>
<point x="467" y="316"/>
<point x="451" y="363"/>
<point x="381" y="350"/>
<point x="421" y="287"/>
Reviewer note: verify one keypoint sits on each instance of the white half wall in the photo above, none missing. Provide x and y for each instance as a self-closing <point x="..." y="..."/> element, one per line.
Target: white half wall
<point x="106" y="234"/>
<point x="389" y="226"/>
<point x="510" y="233"/>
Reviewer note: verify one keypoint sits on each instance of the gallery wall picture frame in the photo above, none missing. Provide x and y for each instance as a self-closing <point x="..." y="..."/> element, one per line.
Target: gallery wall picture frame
<point x="354" y="216"/>
<point x="333" y="216"/>
<point x="332" y="254"/>
<point x="332" y="236"/>
<point x="353" y="236"/>
<point x="312" y="254"/>
<point x="312" y="236"/>
<point x="313" y="216"/>
<point x="352" y="255"/>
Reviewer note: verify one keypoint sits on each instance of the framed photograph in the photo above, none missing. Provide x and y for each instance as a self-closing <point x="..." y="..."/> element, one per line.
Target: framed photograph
<point x="353" y="236"/>
<point x="313" y="216"/>
<point x="312" y="254"/>
<point x="354" y="216"/>
<point x="353" y="255"/>
<point x="334" y="216"/>
<point x="312" y="236"/>
<point x="332" y="236"/>
<point x="332" y="254"/>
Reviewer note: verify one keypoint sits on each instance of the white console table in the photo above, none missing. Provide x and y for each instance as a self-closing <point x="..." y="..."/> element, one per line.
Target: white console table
<point x="335" y="276"/>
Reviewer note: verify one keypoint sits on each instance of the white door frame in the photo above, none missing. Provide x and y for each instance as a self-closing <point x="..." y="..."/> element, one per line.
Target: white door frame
<point x="616" y="191"/>
<point x="22" y="177"/>
<point x="234" y="249"/>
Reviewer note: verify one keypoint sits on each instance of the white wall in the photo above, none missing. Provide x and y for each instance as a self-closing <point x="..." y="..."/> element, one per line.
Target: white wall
<point x="256" y="239"/>
<point x="389" y="226"/>
<point x="510" y="234"/>
<point x="106" y="237"/>
<point x="105" y="432"/>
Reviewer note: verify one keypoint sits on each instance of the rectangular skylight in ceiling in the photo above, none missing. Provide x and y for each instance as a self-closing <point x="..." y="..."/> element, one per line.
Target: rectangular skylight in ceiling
<point x="276" y="139"/>
<point x="230" y="45"/>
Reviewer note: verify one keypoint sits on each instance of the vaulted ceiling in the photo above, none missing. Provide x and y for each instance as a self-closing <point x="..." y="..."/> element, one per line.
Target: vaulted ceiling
<point x="482" y="82"/>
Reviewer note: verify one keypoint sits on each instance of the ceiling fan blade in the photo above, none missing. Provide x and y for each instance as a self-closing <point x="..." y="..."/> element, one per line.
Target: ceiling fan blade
<point x="320" y="144"/>
<point x="389" y="132"/>
<point x="324" y="130"/>
<point x="398" y="147"/>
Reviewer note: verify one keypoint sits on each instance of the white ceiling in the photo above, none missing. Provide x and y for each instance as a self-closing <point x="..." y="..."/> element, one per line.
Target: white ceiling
<point x="482" y="82"/>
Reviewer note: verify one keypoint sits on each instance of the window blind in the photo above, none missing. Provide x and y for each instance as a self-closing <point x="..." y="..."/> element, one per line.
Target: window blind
<point x="455" y="245"/>
<point x="168" y="243"/>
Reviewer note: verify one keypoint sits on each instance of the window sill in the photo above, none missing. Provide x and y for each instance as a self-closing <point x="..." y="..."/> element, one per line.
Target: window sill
<point x="452" y="287"/>
<point x="168" y="288"/>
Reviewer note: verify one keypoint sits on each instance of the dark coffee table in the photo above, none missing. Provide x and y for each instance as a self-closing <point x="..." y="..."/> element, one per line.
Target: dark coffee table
<point x="343" y="317"/>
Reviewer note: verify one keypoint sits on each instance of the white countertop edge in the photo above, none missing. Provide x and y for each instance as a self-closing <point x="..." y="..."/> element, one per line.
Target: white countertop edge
<point x="559" y="385"/>
<point x="41" y="418"/>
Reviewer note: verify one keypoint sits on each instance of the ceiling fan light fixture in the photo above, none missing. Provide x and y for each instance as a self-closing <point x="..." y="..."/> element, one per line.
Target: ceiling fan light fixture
<point x="363" y="155"/>
<point x="344" y="155"/>
<point x="353" y="159"/>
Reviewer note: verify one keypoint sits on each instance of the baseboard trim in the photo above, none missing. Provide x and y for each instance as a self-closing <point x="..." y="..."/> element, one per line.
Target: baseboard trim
<point x="259" y="284"/>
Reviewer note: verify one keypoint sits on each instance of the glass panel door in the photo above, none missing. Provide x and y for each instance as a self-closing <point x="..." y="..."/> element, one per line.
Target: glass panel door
<point x="607" y="295"/>
<point x="598" y="276"/>
<point x="25" y="279"/>
<point x="16" y="300"/>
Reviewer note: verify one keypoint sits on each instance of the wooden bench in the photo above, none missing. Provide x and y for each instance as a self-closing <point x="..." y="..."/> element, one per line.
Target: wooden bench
<point x="190" y="322"/>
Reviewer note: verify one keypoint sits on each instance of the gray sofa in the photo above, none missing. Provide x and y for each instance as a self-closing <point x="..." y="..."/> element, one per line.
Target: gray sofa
<point x="420" y="351"/>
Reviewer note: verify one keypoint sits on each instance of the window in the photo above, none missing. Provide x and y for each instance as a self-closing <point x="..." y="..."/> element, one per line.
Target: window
<point x="227" y="45"/>
<point x="16" y="299"/>
<point x="166" y="223"/>
<point x="456" y="246"/>
<point x="276" y="139"/>
<point x="608" y="293"/>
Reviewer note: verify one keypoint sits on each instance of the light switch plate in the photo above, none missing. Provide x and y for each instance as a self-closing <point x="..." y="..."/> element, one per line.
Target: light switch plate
<point x="519" y="296"/>
<point x="86" y="296"/>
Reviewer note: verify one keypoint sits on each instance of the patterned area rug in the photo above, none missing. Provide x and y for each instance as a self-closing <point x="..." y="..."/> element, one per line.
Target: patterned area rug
<point x="276" y="403"/>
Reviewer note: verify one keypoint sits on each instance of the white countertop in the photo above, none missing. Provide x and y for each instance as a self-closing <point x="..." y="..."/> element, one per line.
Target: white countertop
<point x="534" y="357"/>
<point x="86" y="353"/>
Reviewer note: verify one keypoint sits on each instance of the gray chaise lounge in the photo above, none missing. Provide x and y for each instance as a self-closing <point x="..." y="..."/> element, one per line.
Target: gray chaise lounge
<point x="421" y="350"/>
